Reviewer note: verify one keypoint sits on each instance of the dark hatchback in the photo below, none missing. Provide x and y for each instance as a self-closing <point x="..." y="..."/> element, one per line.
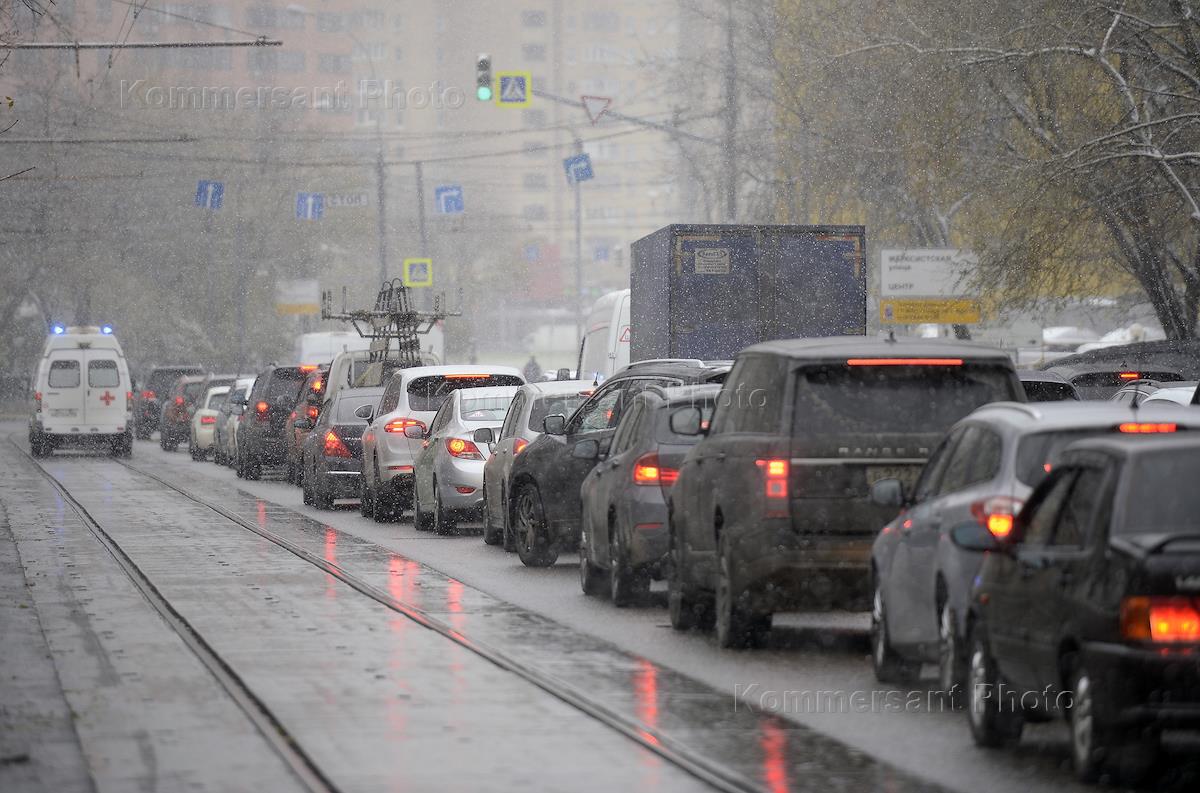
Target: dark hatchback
<point x="331" y="458"/>
<point x="772" y="509"/>
<point x="302" y="418"/>
<point x="545" y="512"/>
<point x="260" y="438"/>
<point x="147" y="401"/>
<point x="1091" y="606"/>
<point x="174" y="425"/>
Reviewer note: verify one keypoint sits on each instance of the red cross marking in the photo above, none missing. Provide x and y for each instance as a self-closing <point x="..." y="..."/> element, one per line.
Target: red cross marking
<point x="107" y="399"/>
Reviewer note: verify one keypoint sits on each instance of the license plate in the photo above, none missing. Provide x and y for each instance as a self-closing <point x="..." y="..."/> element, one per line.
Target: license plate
<point x="62" y="412"/>
<point x="907" y="474"/>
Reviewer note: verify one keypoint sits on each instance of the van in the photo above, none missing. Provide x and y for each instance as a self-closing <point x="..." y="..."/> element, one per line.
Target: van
<point x="606" y="336"/>
<point x="83" y="395"/>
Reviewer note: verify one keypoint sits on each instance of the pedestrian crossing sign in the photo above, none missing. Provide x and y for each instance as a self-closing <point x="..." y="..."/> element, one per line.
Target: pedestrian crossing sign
<point x="514" y="89"/>
<point x="418" y="272"/>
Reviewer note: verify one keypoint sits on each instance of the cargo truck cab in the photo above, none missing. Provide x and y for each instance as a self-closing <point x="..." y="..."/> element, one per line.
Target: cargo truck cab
<point x="83" y="395"/>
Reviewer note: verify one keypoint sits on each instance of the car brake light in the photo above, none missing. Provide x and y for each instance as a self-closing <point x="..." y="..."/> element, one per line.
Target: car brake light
<point x="312" y="413"/>
<point x="260" y="410"/>
<point x="776" y="477"/>
<point x="318" y="385"/>
<point x="308" y="367"/>
<point x="904" y="362"/>
<point x="37" y="399"/>
<point x="467" y="376"/>
<point x="1129" y="375"/>
<point x="148" y="395"/>
<point x="519" y="445"/>
<point x="997" y="514"/>
<point x="399" y="425"/>
<point x="645" y="470"/>
<point x="465" y="490"/>
<point x="178" y="400"/>
<point x="128" y="401"/>
<point x="1160" y="619"/>
<point x="334" y="446"/>
<point x="208" y="419"/>
<point x="463" y="449"/>
<point x="1145" y="427"/>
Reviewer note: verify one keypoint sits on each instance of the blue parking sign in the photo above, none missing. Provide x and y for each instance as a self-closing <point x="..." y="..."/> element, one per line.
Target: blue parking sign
<point x="209" y="194"/>
<point x="578" y="168"/>
<point x="310" y="206"/>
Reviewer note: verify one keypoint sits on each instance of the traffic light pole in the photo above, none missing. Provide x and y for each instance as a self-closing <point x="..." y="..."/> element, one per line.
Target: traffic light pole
<point x="578" y="254"/>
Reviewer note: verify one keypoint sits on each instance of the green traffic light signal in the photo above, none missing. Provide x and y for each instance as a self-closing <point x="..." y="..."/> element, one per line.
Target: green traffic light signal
<point x="483" y="77"/>
<point x="484" y="93"/>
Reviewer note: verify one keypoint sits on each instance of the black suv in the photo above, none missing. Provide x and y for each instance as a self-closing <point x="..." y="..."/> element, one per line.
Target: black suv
<point x="545" y="512"/>
<point x="1091" y="605"/>
<point x="261" y="439"/>
<point x="772" y="508"/>
<point x="147" y="402"/>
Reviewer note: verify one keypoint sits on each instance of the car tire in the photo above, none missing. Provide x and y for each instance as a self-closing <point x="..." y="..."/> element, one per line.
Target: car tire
<point x="534" y="545"/>
<point x="509" y="541"/>
<point x="737" y="627"/>
<point x="626" y="586"/>
<point x="422" y="520"/>
<point x="492" y="534"/>
<point x="951" y="666"/>
<point x="993" y="722"/>
<point x="591" y="577"/>
<point x="251" y="468"/>
<point x="321" y="497"/>
<point x="1095" y="747"/>
<point x="364" y="497"/>
<point x="889" y="666"/>
<point x="306" y="493"/>
<point x="443" y="523"/>
<point x="687" y="607"/>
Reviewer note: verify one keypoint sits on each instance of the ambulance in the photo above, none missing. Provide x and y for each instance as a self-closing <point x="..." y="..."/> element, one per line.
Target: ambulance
<point x="82" y="395"/>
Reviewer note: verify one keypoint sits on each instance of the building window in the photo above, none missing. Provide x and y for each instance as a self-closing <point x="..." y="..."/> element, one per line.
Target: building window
<point x="399" y="54"/>
<point x="328" y="22"/>
<point x="534" y="149"/>
<point x="533" y="118"/>
<point x="333" y="64"/>
<point x="535" y="180"/>
<point x="533" y="52"/>
<point x="534" y="212"/>
<point x="533" y="19"/>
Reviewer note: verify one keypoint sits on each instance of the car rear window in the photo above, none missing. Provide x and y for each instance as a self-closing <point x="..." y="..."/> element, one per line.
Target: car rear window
<point x="191" y="391"/>
<point x="285" y="382"/>
<point x="1156" y="502"/>
<point x="1036" y="452"/>
<point x="63" y="374"/>
<point x="103" y="374"/>
<point x="429" y="392"/>
<point x="832" y="400"/>
<point x="216" y="400"/>
<point x="346" y="405"/>
<point x="556" y="405"/>
<point x="162" y="379"/>
<point x="491" y="409"/>
<point x="1043" y="391"/>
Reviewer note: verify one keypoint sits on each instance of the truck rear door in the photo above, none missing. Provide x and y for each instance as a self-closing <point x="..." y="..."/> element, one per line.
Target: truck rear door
<point x="63" y="398"/>
<point x="104" y="397"/>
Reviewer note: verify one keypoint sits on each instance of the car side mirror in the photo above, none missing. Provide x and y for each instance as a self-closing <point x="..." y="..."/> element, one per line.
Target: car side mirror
<point x="415" y="432"/>
<point x="586" y="450"/>
<point x="555" y="425"/>
<point x="484" y="435"/>
<point x="365" y="412"/>
<point x="974" y="537"/>
<point x="888" y="493"/>
<point x="687" y="421"/>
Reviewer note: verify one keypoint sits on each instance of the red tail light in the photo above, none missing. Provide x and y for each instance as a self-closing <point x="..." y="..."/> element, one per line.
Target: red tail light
<point x="1161" y="619"/>
<point x="178" y="400"/>
<point x="463" y="449"/>
<point x="646" y="470"/>
<point x="208" y="419"/>
<point x="312" y="413"/>
<point x="776" y="477"/>
<point x="904" y="362"/>
<point x="334" y="446"/>
<point x="128" y="401"/>
<point x="260" y="410"/>
<point x="997" y="514"/>
<point x="308" y="367"/>
<point x="37" y="399"/>
<point x="465" y="490"/>
<point x="519" y="445"/>
<point x="1144" y="427"/>
<point x="399" y="425"/>
<point x="318" y="385"/>
<point x="1129" y="376"/>
<point x="467" y="376"/>
<point x="148" y="395"/>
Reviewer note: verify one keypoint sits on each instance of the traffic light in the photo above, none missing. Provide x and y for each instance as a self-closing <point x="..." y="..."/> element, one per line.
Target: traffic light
<point x="483" y="78"/>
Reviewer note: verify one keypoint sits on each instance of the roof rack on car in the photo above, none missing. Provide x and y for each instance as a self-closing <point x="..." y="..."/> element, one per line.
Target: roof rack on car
<point x="1020" y="407"/>
<point x="688" y="361"/>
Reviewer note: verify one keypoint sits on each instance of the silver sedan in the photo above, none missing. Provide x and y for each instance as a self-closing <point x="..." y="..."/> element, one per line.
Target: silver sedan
<point x="448" y="471"/>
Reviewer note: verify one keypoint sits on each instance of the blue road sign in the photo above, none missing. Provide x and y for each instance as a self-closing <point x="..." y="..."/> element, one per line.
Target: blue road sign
<point x="449" y="198"/>
<point x="514" y="89"/>
<point x="578" y="168"/>
<point x="209" y="194"/>
<point x="310" y="206"/>
<point x="532" y="253"/>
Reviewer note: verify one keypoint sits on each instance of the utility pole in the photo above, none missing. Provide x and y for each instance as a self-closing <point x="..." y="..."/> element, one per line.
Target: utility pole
<point x="421" y="207"/>
<point x="731" y="119"/>
<point x="578" y="254"/>
<point x="381" y="200"/>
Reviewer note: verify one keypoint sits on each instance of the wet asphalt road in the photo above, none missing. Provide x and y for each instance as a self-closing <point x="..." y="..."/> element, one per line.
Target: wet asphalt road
<point x="381" y="702"/>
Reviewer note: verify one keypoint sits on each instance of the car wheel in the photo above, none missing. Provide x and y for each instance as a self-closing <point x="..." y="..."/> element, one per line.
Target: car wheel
<point x="252" y="468"/>
<point x="1096" y="747"/>
<point x="321" y="498"/>
<point x="737" y="627"/>
<point x="443" y="523"/>
<point x="890" y="666"/>
<point x="510" y="542"/>
<point x="422" y="520"/>
<point x="995" y="719"/>
<point x="364" y="497"/>
<point x="492" y="534"/>
<point x="951" y="669"/>
<point x="626" y="586"/>
<point x="306" y="493"/>
<point x="591" y="577"/>
<point x="534" y="545"/>
<point x="686" y="607"/>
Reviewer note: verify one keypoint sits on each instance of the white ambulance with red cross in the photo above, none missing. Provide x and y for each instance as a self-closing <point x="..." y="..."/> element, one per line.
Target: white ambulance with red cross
<point x="82" y="393"/>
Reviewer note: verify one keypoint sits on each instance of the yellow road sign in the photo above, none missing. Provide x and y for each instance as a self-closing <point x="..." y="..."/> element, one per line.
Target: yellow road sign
<point x="514" y="89"/>
<point x="943" y="311"/>
<point x="418" y="272"/>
